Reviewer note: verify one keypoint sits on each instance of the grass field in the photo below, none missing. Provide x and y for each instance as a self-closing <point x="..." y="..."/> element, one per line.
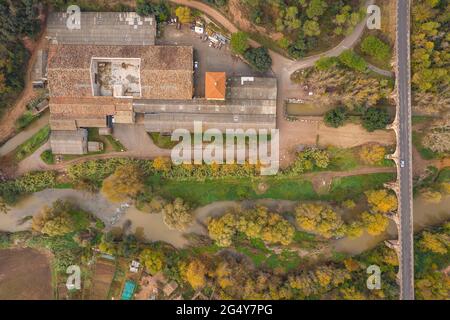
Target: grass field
<point x="285" y="188"/>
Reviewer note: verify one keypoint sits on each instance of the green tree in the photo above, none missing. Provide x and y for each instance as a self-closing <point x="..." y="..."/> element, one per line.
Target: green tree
<point x="326" y="63"/>
<point x="60" y="219"/>
<point x="147" y="8"/>
<point x="316" y="8"/>
<point x="375" y="118"/>
<point x="311" y="28"/>
<point x="353" y="61"/>
<point x="336" y="117"/>
<point x="376" y="48"/>
<point x="259" y="59"/>
<point x="239" y="42"/>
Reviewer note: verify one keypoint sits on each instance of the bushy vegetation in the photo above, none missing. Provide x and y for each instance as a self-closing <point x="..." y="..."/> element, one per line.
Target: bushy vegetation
<point x="429" y="56"/>
<point x="431" y="256"/>
<point x="259" y="59"/>
<point x="305" y="25"/>
<point x="60" y="219"/>
<point x="31" y="145"/>
<point x="147" y="8"/>
<point x="375" y="118"/>
<point x="376" y="48"/>
<point x="123" y="184"/>
<point x="336" y="117"/>
<point x="352" y="60"/>
<point x="256" y="223"/>
<point x="337" y="81"/>
<point x="17" y="20"/>
<point x="11" y="190"/>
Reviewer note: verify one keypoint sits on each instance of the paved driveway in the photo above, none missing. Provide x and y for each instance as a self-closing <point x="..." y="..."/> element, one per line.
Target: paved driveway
<point x="210" y="59"/>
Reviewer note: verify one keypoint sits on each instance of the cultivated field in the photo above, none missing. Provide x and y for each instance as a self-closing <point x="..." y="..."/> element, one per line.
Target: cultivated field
<point x="25" y="275"/>
<point x="101" y="282"/>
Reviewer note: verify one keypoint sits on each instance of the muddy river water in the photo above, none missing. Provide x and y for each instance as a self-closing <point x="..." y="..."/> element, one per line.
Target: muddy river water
<point x="154" y="229"/>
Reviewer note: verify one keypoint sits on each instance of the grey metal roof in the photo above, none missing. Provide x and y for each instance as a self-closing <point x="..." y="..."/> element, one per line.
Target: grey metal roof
<point x="103" y="28"/>
<point x="251" y="104"/>
<point x="206" y="106"/>
<point x="69" y="142"/>
<point x="168" y="122"/>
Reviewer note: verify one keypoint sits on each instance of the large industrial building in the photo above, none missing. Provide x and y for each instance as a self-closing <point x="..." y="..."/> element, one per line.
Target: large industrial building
<point x="97" y="78"/>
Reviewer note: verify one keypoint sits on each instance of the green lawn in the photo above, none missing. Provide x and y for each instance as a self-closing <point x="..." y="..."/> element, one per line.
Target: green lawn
<point x="115" y="144"/>
<point x="48" y="157"/>
<point x="201" y="193"/>
<point x="161" y="141"/>
<point x="353" y="187"/>
<point x="205" y="192"/>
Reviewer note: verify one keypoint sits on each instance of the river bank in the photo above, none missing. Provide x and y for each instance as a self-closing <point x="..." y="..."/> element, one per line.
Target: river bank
<point x="154" y="229"/>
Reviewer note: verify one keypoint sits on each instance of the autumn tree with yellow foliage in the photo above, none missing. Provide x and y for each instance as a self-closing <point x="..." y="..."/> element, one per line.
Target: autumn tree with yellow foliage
<point x="372" y="154"/>
<point x="381" y="201"/>
<point x="435" y="242"/>
<point x="184" y="14"/>
<point x="177" y="215"/>
<point x="319" y="218"/>
<point x="153" y="260"/>
<point x="256" y="223"/>
<point x="375" y="223"/>
<point x="125" y="183"/>
<point x="195" y="274"/>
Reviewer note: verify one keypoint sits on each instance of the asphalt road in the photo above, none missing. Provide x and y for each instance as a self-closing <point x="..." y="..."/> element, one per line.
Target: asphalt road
<point x="405" y="149"/>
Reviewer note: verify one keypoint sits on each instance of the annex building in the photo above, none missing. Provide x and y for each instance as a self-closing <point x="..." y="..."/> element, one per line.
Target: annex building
<point x="111" y="70"/>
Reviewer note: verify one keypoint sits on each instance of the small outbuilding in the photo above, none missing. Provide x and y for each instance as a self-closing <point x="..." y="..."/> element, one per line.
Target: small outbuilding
<point x="69" y="141"/>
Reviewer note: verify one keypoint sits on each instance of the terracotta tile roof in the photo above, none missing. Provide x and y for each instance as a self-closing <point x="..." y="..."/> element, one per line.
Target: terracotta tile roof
<point x="166" y="71"/>
<point x="215" y="85"/>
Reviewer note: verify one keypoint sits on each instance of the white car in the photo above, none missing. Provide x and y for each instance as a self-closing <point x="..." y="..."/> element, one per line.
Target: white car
<point x="196" y="64"/>
<point x="402" y="163"/>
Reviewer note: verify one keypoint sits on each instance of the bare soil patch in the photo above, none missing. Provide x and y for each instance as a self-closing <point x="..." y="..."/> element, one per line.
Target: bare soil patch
<point x="101" y="282"/>
<point x="25" y="275"/>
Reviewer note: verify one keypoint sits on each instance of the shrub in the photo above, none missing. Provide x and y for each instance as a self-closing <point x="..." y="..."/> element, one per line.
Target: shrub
<point x="259" y="59"/>
<point x="47" y="157"/>
<point x="326" y="63"/>
<point x="32" y="144"/>
<point x="353" y="61"/>
<point x="177" y="215"/>
<point x="376" y="48"/>
<point x="336" y="117"/>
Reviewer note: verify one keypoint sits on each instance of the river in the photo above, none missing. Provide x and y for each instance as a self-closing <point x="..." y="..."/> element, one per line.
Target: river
<point x="154" y="229"/>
